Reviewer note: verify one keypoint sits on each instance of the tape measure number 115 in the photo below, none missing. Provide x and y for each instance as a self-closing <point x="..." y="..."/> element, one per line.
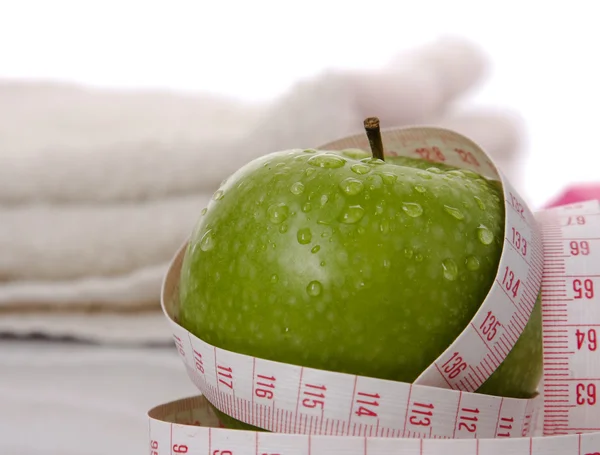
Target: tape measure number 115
<point x="310" y="412"/>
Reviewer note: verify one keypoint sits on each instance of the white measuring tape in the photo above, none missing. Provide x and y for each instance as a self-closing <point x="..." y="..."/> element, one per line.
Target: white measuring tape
<point x="311" y="412"/>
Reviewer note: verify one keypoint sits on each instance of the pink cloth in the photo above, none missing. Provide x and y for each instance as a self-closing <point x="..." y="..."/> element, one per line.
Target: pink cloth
<point x="576" y="193"/>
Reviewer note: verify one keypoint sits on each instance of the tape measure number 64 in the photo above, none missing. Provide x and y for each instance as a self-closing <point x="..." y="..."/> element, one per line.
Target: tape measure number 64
<point x="439" y="412"/>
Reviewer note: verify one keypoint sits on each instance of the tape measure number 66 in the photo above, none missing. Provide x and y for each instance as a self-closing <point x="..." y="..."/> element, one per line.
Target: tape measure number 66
<point x="439" y="412"/>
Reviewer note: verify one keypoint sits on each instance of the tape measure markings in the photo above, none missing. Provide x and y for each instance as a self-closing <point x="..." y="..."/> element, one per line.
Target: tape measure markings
<point x="307" y="396"/>
<point x="516" y="276"/>
<point x="564" y="356"/>
<point x="181" y="438"/>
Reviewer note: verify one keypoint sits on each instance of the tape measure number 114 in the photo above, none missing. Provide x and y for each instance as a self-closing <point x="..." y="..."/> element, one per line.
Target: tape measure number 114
<point x="311" y="412"/>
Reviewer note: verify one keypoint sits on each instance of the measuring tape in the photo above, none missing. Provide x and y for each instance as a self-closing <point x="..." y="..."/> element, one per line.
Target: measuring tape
<point x="308" y="412"/>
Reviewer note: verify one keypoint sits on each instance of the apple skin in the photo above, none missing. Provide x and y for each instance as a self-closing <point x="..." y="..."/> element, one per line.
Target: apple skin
<point x="334" y="261"/>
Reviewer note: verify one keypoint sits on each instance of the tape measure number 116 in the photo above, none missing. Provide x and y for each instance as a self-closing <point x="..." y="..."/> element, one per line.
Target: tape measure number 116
<point x="310" y="412"/>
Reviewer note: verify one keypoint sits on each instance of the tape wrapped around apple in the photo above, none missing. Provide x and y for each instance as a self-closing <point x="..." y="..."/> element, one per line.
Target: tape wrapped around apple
<point x="350" y="262"/>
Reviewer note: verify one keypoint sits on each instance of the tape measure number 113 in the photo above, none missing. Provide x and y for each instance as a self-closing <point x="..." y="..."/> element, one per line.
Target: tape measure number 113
<point x="311" y="412"/>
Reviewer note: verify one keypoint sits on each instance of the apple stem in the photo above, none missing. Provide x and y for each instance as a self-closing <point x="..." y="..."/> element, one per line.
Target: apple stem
<point x="374" y="135"/>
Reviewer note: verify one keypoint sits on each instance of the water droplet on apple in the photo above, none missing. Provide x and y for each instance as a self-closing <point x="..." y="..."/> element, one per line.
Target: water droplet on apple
<point x="324" y="199"/>
<point x="479" y="202"/>
<point x="266" y="163"/>
<point x="450" y="269"/>
<point x="304" y="236"/>
<point x="315" y="249"/>
<point x="433" y="170"/>
<point x="351" y="186"/>
<point x="355" y="153"/>
<point x="283" y="228"/>
<point x="306" y="207"/>
<point x="420" y="188"/>
<point x="387" y="263"/>
<point x="207" y="242"/>
<point x="278" y="213"/>
<point x="408" y="253"/>
<point x="424" y="175"/>
<point x="375" y="180"/>
<point x="384" y="227"/>
<point x="203" y="212"/>
<point x="352" y="214"/>
<point x="388" y="178"/>
<point x="454" y="212"/>
<point x="218" y="195"/>
<point x="297" y="188"/>
<point x="274" y="278"/>
<point x="326" y="160"/>
<point x="472" y="263"/>
<point x="445" y="189"/>
<point x="379" y="208"/>
<point x="314" y="288"/>
<point x="419" y="257"/>
<point x="455" y="173"/>
<point x="412" y="209"/>
<point x="309" y="151"/>
<point x="485" y="235"/>
<point x="323" y="263"/>
<point x="309" y="171"/>
<point x="360" y="168"/>
<point x="374" y="161"/>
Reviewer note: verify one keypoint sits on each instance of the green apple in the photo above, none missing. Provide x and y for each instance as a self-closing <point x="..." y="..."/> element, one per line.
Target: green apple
<point x="348" y="263"/>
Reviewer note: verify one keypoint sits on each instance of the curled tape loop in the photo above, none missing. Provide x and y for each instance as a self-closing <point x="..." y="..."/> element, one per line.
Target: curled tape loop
<point x="365" y="415"/>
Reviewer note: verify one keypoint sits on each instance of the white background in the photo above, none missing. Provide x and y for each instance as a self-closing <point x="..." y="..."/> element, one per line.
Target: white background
<point x="544" y="55"/>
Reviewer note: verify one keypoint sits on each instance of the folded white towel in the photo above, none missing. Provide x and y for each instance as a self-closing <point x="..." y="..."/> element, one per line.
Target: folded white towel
<point x="99" y="188"/>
